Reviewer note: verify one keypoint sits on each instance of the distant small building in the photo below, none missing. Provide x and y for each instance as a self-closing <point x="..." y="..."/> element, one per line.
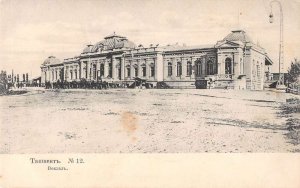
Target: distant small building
<point x="36" y="82"/>
<point x="233" y="62"/>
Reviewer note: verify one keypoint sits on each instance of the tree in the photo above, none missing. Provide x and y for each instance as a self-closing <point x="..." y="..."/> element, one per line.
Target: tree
<point x="3" y="77"/>
<point x="294" y="72"/>
<point x="3" y="82"/>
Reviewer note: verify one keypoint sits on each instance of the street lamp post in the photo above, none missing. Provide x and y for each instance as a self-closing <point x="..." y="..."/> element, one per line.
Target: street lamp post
<point x="280" y="83"/>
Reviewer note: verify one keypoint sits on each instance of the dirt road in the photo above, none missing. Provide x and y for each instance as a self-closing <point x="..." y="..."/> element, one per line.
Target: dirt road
<point x="129" y="120"/>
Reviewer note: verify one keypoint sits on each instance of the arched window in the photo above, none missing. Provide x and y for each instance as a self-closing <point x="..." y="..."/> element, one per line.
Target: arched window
<point x="119" y="70"/>
<point x="85" y="69"/>
<point x="90" y="72"/>
<point x="71" y="74"/>
<point x="56" y="74"/>
<point x="179" y="69"/>
<point x="61" y="74"/>
<point x="152" y="70"/>
<point x="198" y="67"/>
<point x="136" y="71"/>
<point x="189" y="68"/>
<point x="228" y="66"/>
<point x="66" y="74"/>
<point x="110" y="70"/>
<point x="210" y="68"/>
<point x="128" y="70"/>
<point x="143" y="70"/>
<point x="169" y="69"/>
<point x="75" y="72"/>
<point x="94" y="72"/>
<point x="101" y="70"/>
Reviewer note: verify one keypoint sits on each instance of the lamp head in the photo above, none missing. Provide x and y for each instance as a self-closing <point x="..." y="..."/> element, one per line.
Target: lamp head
<point x="271" y="17"/>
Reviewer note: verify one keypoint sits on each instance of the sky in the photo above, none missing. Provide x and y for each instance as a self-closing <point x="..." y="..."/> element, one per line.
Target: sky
<point x="32" y="30"/>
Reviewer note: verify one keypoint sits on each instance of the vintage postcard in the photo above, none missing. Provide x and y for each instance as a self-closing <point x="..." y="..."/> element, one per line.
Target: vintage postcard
<point x="192" y="93"/>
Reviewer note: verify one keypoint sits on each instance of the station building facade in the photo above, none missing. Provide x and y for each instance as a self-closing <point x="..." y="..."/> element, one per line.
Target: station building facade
<point x="234" y="62"/>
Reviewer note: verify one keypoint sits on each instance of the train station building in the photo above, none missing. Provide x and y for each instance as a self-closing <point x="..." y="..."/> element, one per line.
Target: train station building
<point x="235" y="62"/>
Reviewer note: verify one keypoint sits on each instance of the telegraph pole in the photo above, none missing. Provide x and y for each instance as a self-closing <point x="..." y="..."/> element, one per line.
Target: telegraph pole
<point x="280" y="84"/>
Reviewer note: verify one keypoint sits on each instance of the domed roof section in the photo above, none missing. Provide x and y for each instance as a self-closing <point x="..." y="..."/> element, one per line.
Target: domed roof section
<point x="51" y="60"/>
<point x="238" y="35"/>
<point x="87" y="49"/>
<point x="113" y="41"/>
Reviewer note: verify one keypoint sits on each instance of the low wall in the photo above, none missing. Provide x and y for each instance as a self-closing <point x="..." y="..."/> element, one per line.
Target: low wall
<point x="181" y="84"/>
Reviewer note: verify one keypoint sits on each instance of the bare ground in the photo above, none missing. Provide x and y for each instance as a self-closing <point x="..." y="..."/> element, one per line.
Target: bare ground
<point x="129" y="120"/>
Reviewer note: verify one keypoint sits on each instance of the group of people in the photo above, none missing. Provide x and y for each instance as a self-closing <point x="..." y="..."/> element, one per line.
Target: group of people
<point x="81" y="84"/>
<point x="85" y="84"/>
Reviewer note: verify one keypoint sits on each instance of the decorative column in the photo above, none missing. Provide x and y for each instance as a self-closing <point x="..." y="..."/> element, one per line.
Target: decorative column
<point x="147" y="64"/>
<point x="237" y="64"/>
<point x="52" y="75"/>
<point x="139" y="68"/>
<point x="81" y="75"/>
<point x="79" y="70"/>
<point x="66" y="73"/>
<point x="159" y="67"/>
<point x="88" y="66"/>
<point x="219" y="62"/>
<point x="183" y="67"/>
<point x="113" y="68"/>
<point x="97" y="69"/>
<point x="155" y="68"/>
<point x="232" y="64"/>
<point x="90" y="70"/>
<point x="193" y="76"/>
<point x="165" y="69"/>
<point x="131" y="69"/>
<point x="122" y="64"/>
<point x="174" y="70"/>
<point x="42" y="76"/>
<point x="106" y="68"/>
<point x="204" y="66"/>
